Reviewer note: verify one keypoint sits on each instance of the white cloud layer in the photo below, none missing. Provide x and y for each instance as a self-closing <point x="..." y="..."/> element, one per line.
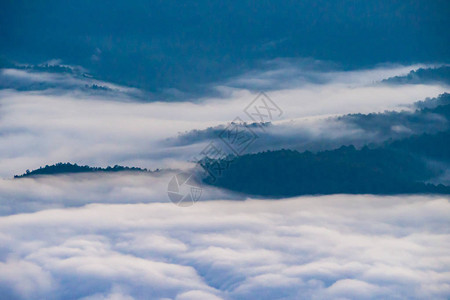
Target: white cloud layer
<point x="331" y="247"/>
<point x="117" y="236"/>
<point x="40" y="127"/>
<point x="74" y="190"/>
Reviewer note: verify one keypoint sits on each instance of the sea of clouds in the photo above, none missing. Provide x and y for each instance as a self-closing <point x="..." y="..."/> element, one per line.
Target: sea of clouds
<point x="106" y="237"/>
<point x="117" y="236"/>
<point x="66" y="124"/>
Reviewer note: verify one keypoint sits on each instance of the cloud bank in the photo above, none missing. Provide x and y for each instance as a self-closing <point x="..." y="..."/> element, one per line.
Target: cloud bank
<point x="74" y="190"/>
<point x="40" y="127"/>
<point x="333" y="247"/>
<point x="117" y="236"/>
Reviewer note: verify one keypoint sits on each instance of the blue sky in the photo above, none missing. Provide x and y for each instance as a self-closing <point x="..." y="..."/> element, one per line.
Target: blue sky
<point x="158" y="45"/>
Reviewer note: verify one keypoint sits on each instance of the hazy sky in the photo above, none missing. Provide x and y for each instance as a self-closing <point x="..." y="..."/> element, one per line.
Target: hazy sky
<point x="183" y="46"/>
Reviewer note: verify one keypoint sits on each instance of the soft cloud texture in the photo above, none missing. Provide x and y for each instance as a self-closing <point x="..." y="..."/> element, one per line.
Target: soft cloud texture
<point x="117" y="236"/>
<point x="45" y="127"/>
<point x="74" y="190"/>
<point x="333" y="247"/>
<point x="318" y="133"/>
<point x="56" y="82"/>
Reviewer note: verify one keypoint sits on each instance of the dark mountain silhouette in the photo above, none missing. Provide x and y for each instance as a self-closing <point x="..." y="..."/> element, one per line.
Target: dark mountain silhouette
<point x="65" y="168"/>
<point x="394" y="167"/>
<point x="344" y="170"/>
<point x="422" y="76"/>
